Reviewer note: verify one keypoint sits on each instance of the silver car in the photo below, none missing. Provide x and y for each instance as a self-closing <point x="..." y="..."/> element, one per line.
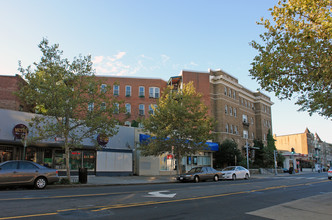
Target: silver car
<point x="235" y="172"/>
<point x="200" y="174"/>
<point x="21" y="172"/>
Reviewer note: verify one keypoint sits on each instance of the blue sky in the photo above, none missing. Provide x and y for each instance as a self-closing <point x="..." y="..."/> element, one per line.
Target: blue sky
<point x="149" y="38"/>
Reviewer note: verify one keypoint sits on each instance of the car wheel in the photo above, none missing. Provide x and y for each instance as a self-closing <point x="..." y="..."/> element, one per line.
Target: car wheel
<point x="234" y="177"/>
<point x="196" y="179"/>
<point x="40" y="183"/>
<point x="247" y="176"/>
<point x="216" y="178"/>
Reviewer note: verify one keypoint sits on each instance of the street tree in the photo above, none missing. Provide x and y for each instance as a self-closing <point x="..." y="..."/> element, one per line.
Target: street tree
<point x="180" y="124"/>
<point x="66" y="96"/>
<point x="294" y="58"/>
<point x="259" y="153"/>
<point x="228" y="154"/>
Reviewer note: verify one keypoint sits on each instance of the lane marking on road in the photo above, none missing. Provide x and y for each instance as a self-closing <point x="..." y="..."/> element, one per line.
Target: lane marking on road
<point x="196" y="198"/>
<point x="124" y="205"/>
<point x="161" y="194"/>
<point x="71" y="196"/>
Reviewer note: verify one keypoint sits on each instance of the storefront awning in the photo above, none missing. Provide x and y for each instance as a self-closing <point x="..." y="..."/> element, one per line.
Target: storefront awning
<point x="211" y="146"/>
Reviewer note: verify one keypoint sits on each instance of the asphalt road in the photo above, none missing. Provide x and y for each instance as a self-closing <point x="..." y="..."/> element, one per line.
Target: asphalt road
<point x="299" y="197"/>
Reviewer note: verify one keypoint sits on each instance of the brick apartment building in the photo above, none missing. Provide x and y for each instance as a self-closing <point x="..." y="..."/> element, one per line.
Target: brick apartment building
<point x="138" y="94"/>
<point x="241" y="115"/>
<point x="8" y="100"/>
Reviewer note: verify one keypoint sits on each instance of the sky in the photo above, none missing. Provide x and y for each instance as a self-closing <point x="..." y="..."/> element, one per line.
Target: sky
<point x="150" y="39"/>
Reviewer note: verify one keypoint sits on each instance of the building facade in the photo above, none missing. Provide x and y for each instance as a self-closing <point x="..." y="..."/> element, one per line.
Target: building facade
<point x="8" y="100"/>
<point x="309" y="151"/>
<point x="241" y="115"/>
<point x="137" y="94"/>
<point x="111" y="158"/>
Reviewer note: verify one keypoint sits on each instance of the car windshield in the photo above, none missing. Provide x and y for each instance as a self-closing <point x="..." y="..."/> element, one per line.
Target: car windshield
<point x="195" y="170"/>
<point x="229" y="168"/>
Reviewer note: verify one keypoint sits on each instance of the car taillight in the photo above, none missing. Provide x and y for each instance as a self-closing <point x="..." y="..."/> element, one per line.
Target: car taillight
<point x="330" y="171"/>
<point x="56" y="172"/>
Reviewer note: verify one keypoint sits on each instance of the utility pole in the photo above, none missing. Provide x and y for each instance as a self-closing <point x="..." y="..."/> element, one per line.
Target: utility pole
<point x="275" y="162"/>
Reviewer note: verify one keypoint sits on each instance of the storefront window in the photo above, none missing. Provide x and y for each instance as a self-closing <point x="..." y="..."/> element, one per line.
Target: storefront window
<point x="59" y="160"/>
<point x="89" y="158"/>
<point x="75" y="160"/>
<point x="5" y="154"/>
<point x="167" y="162"/>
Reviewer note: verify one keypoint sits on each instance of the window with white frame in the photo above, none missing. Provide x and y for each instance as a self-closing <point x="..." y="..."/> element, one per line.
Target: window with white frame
<point x="252" y="135"/>
<point x="226" y="128"/>
<point x="116" y="90"/>
<point x="231" y="129"/>
<point x="128" y="91"/>
<point x="245" y="134"/>
<point x="103" y="88"/>
<point x="235" y="114"/>
<point x="141" y="109"/>
<point x="230" y="93"/>
<point x="226" y="109"/>
<point x="245" y="118"/>
<point x="154" y="92"/>
<point x="116" y="108"/>
<point x="234" y="95"/>
<point x="230" y="111"/>
<point x="128" y="108"/>
<point x="151" y="111"/>
<point x="235" y="130"/>
<point x="90" y="106"/>
<point x="225" y="90"/>
<point x="252" y="120"/>
<point x="141" y="91"/>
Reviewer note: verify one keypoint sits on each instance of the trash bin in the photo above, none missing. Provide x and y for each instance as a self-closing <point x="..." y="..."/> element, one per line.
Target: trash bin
<point x="83" y="175"/>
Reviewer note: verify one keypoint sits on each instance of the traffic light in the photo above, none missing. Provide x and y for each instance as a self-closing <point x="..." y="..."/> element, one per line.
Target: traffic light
<point x="293" y="151"/>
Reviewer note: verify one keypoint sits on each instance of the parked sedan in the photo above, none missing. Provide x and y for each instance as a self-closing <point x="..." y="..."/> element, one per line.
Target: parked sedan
<point x="329" y="174"/>
<point x="235" y="172"/>
<point x="20" y="172"/>
<point x="197" y="174"/>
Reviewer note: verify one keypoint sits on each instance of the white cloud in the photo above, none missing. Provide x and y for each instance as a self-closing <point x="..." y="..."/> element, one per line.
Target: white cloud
<point x="98" y="59"/>
<point x="164" y="58"/>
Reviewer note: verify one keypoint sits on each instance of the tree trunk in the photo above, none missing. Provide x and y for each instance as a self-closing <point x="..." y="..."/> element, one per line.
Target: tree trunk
<point x="178" y="164"/>
<point x="67" y="160"/>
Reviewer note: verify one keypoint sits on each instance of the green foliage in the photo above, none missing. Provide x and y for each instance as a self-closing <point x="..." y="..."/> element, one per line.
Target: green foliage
<point x="295" y="59"/>
<point x="259" y="153"/>
<point x="61" y="93"/>
<point x="181" y="122"/>
<point x="264" y="156"/>
<point x="228" y="154"/>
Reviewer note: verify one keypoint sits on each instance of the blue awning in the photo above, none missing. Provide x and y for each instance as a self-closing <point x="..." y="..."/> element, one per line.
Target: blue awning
<point x="212" y="146"/>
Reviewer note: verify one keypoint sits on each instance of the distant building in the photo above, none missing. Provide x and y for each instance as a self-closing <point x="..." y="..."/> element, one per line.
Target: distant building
<point x="309" y="150"/>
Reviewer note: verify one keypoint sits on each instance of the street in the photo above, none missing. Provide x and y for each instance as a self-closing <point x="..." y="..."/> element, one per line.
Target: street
<point x="269" y="197"/>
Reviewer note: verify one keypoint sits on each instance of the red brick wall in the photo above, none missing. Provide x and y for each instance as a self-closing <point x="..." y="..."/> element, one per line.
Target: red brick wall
<point x="134" y="99"/>
<point x="9" y="85"/>
<point x="201" y="83"/>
